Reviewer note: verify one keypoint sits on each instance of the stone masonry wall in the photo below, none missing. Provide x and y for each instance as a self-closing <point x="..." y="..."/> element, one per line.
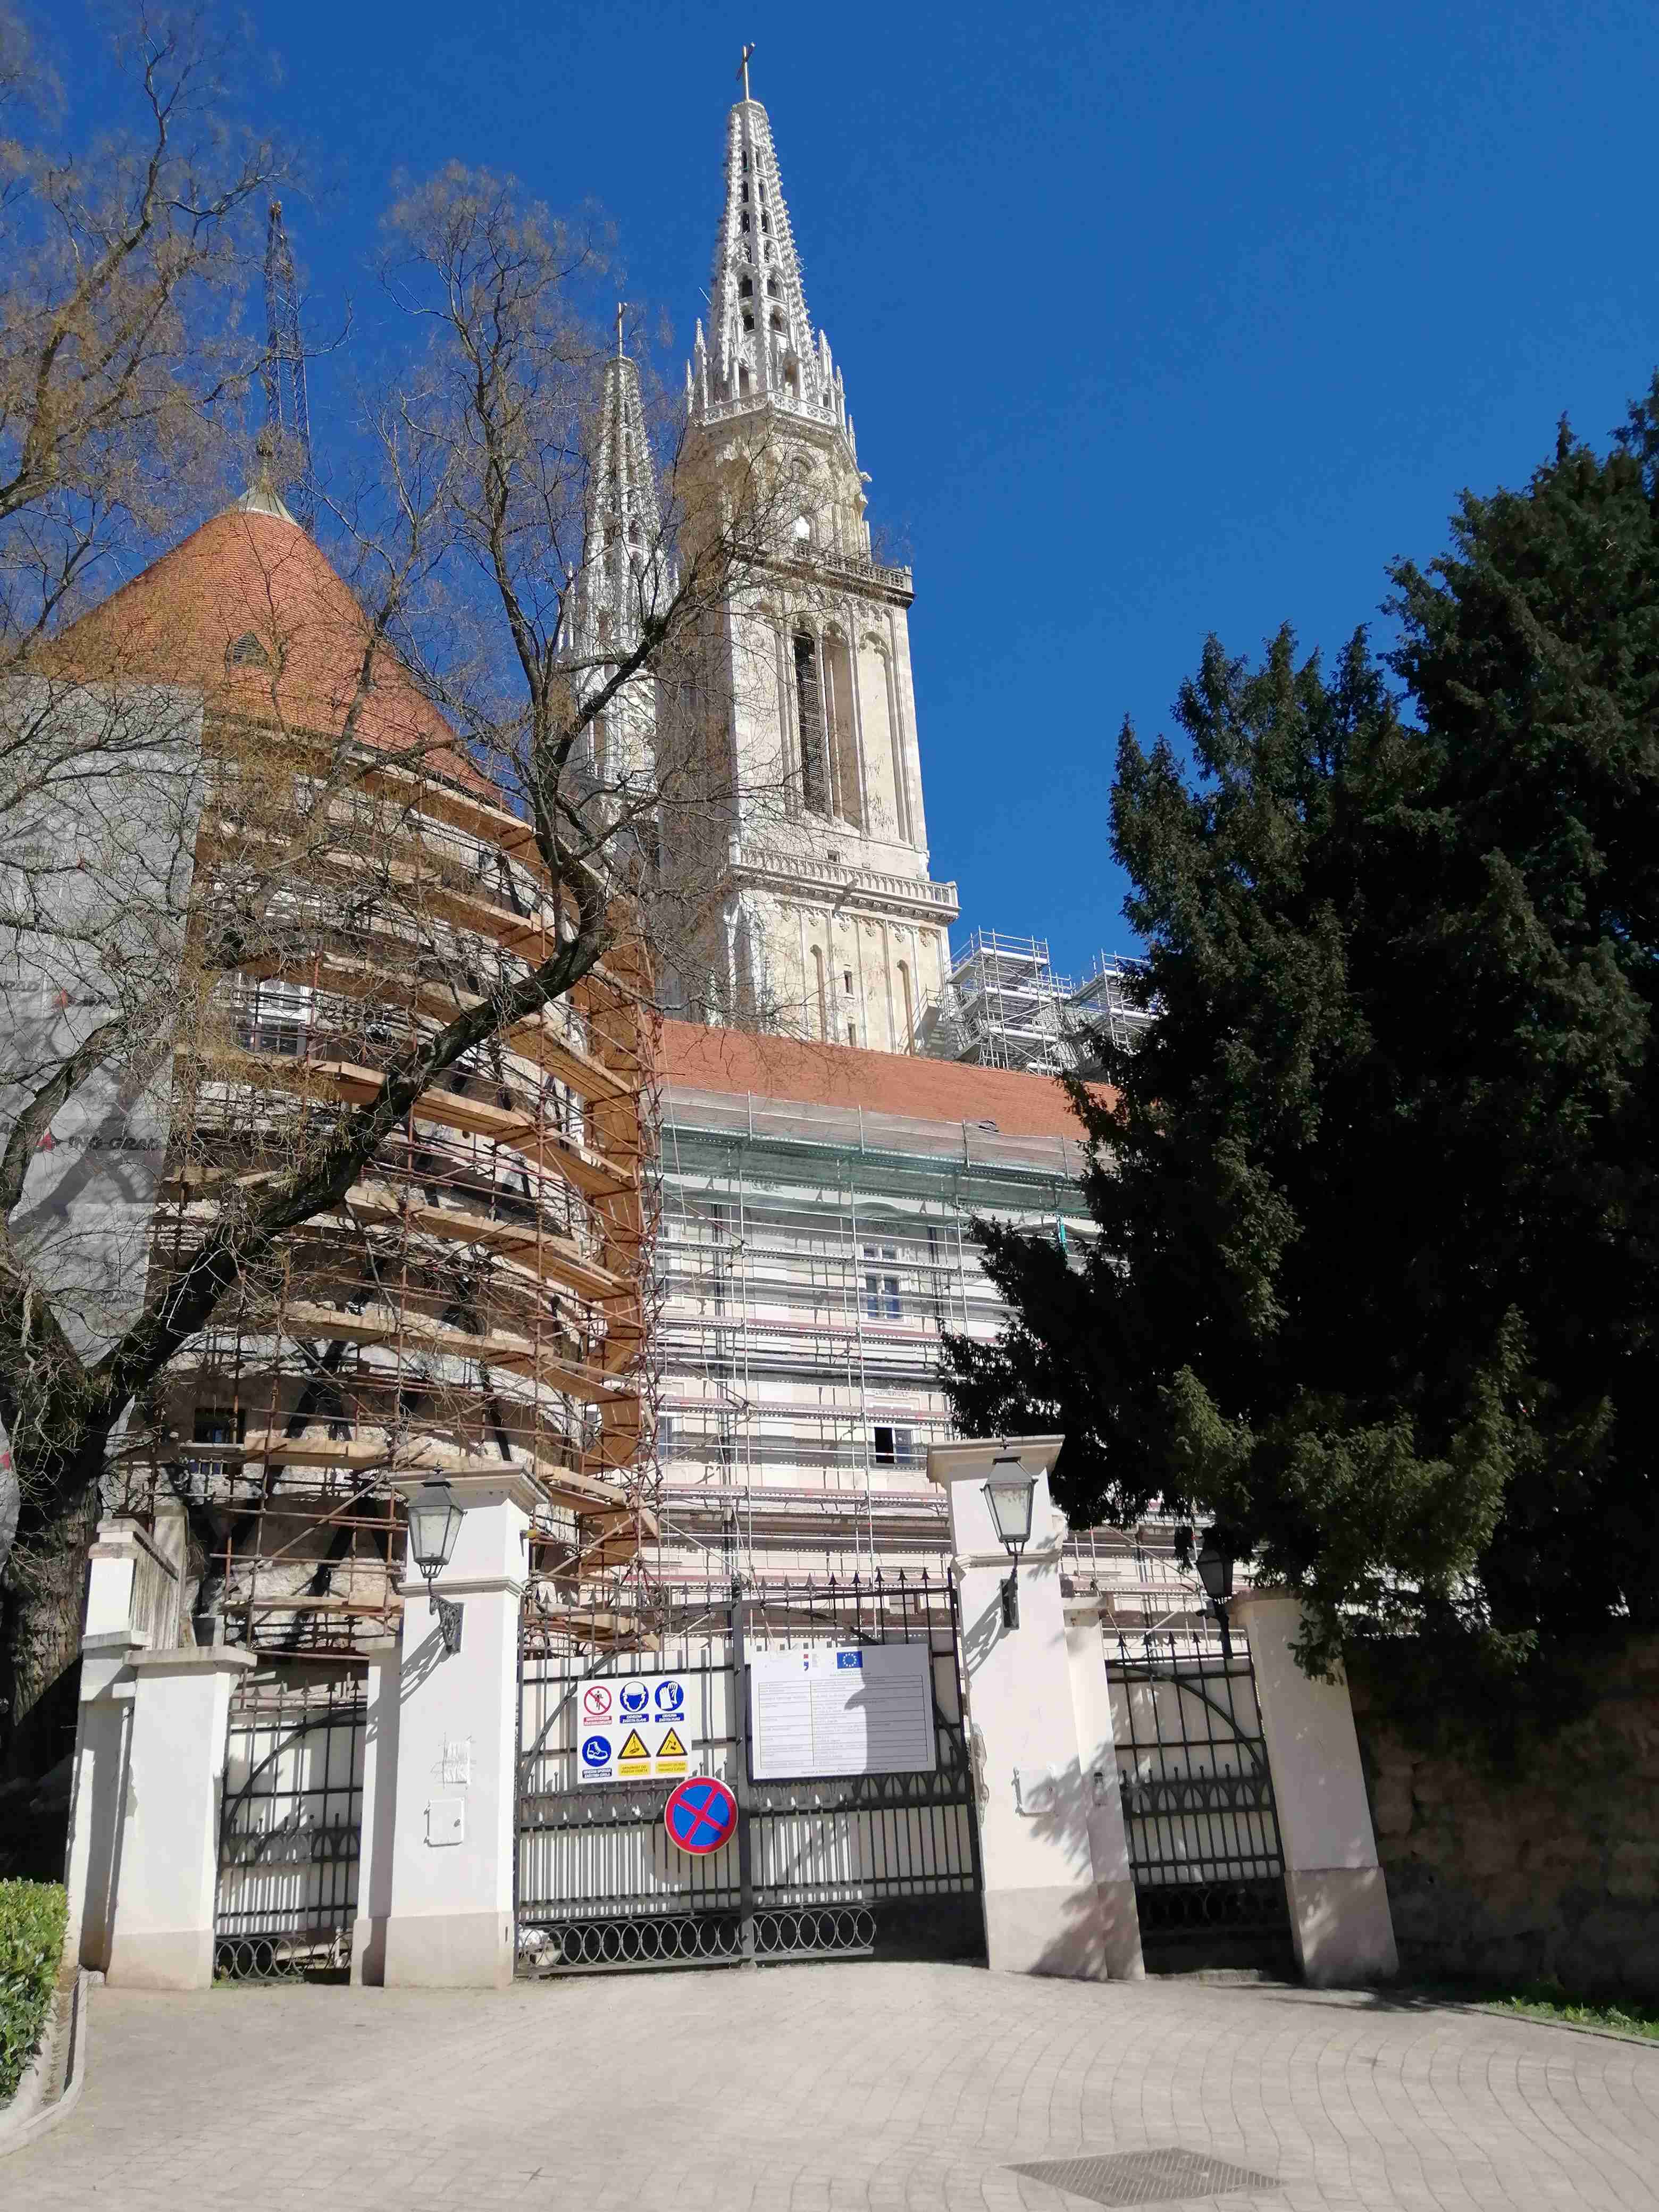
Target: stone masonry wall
<point x="1518" y="1818"/>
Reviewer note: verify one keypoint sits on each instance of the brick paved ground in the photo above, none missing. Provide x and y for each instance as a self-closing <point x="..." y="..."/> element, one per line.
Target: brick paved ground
<point x="811" y="2089"/>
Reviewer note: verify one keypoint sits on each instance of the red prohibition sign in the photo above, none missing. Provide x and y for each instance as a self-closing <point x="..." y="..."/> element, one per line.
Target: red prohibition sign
<point x="701" y="1815"/>
<point x="596" y="1702"/>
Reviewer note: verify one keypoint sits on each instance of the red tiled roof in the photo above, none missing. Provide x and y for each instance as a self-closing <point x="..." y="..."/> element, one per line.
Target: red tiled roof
<point x="733" y="1061"/>
<point x="248" y="572"/>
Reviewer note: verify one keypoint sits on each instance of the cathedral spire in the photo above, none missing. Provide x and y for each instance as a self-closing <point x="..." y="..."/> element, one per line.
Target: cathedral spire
<point x="625" y="575"/>
<point x="622" y="566"/>
<point x="760" y="349"/>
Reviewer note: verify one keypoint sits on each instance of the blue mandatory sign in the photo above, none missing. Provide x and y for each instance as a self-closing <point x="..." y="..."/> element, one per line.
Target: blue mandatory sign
<point x="670" y="1696"/>
<point x="596" y="1750"/>
<point x="849" y="1658"/>
<point x="635" y="1699"/>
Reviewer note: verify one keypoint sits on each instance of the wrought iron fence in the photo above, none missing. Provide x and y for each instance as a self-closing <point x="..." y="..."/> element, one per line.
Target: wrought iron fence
<point x="290" y="1830"/>
<point x="816" y="1866"/>
<point x="1198" y="1795"/>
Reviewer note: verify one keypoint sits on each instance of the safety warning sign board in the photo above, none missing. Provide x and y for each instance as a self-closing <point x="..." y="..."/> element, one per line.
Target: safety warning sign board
<point x="633" y="1727"/>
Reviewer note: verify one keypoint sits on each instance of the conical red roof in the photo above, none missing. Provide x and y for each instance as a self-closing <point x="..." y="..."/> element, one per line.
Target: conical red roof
<point x="249" y="610"/>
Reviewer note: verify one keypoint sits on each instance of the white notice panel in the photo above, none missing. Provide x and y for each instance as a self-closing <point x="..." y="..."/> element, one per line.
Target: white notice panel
<point x="820" y="1710"/>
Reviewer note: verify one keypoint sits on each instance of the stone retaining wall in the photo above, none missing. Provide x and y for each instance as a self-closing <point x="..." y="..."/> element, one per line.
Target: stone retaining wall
<point x="1518" y="1819"/>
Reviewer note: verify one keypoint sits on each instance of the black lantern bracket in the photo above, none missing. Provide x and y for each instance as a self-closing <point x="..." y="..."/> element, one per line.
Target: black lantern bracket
<point x="449" y="1612"/>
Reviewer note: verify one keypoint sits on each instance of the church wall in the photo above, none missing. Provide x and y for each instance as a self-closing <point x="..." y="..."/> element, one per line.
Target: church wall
<point x="887" y="816"/>
<point x="905" y="686"/>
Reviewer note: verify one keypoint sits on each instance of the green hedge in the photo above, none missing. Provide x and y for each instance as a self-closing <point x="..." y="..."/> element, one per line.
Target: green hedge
<point x="33" y="1917"/>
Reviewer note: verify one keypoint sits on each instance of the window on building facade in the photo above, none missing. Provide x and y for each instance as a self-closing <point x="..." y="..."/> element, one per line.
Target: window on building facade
<point x="881" y="1289"/>
<point x="823" y="1003"/>
<point x="895" y="1447"/>
<point x="275" y="1017"/>
<point x="217" y="1425"/>
<point x="717" y="1256"/>
<point x="814" y="757"/>
<point x="909" y="1006"/>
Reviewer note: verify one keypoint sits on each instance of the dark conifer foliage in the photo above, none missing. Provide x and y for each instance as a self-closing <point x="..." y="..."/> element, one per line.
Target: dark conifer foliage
<point x="1378" y="1199"/>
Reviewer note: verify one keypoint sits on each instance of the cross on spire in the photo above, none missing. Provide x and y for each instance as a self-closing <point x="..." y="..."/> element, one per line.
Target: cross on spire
<point x="743" y="67"/>
<point x="621" y="306"/>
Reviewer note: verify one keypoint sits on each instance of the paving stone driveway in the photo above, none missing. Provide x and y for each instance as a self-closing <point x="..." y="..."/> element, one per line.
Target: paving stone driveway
<point x="810" y="2088"/>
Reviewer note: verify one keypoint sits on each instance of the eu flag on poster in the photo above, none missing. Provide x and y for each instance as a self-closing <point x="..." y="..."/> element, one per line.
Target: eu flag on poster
<point x="849" y="1659"/>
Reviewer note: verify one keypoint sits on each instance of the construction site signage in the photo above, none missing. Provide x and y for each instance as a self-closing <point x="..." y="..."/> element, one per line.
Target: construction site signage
<point x="826" y="1709"/>
<point x="633" y="1727"/>
<point x="700" y="1815"/>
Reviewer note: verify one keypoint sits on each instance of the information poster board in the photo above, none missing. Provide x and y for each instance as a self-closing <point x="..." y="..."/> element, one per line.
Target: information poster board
<point x="822" y="1710"/>
<point x="633" y="1727"/>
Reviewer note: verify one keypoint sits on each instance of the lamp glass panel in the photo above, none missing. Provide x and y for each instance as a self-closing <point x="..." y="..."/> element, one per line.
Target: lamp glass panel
<point x="434" y="1521"/>
<point x="1215" y="1570"/>
<point x="1011" y="1497"/>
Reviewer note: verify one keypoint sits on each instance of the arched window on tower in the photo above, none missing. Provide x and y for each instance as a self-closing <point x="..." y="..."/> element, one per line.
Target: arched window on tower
<point x="814" y="754"/>
<point x="909" y="1006"/>
<point x="842" y="728"/>
<point x="824" y="1002"/>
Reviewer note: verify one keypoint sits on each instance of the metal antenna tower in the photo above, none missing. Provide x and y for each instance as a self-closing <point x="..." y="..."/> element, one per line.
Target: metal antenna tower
<point x="284" y="372"/>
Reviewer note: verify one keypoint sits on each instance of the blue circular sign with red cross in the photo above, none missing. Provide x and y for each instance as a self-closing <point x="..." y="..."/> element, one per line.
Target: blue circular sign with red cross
<point x="701" y="1815"/>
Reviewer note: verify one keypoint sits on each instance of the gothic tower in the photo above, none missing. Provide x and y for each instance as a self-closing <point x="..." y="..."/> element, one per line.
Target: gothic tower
<point x="828" y="921"/>
<point x="625" y="577"/>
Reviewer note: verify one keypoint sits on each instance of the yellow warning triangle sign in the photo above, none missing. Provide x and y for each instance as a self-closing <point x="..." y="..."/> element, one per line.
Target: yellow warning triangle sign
<point x="670" y="1748"/>
<point x="633" y="1748"/>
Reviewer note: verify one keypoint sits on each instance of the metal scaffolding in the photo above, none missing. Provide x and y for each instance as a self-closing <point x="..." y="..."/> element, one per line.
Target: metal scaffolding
<point x="479" y="1297"/>
<point x="1004" y="1007"/>
<point x="812" y="1258"/>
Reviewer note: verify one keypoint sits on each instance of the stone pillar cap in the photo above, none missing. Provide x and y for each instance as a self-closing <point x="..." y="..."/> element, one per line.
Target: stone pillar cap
<point x="195" y="1659"/>
<point x="970" y="1460"/>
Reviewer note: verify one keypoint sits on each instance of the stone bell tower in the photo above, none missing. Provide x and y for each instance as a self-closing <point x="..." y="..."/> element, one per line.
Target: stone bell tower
<point x="828" y="921"/>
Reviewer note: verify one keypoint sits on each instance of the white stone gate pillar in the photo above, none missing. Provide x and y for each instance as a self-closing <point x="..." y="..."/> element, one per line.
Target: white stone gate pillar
<point x="98" y="1798"/>
<point x="1050" y="1822"/>
<point x="1339" y="1900"/>
<point x="383" y="1711"/>
<point x="169" y="1850"/>
<point x="1108" y="1843"/>
<point x="449" y="1922"/>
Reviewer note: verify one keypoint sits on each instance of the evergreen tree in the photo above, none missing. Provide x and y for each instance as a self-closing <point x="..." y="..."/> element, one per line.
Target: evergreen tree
<point x="1378" y="1198"/>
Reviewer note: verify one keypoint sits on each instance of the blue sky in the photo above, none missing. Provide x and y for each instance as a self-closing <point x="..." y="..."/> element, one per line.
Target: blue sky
<point x="1154" y="318"/>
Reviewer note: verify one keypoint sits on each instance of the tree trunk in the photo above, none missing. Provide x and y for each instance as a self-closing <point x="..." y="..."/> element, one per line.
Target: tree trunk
<point x="45" y="1586"/>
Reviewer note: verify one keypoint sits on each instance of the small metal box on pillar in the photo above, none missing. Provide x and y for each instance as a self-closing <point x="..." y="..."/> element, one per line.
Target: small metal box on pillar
<point x="1058" y="1894"/>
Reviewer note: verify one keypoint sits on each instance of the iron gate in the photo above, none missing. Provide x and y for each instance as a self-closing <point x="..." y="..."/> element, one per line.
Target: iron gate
<point x="817" y="1868"/>
<point x="289" y="1829"/>
<point x="1198" y="1801"/>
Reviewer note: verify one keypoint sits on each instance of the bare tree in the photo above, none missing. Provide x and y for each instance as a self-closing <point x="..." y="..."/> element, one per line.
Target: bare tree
<point x="307" y="808"/>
